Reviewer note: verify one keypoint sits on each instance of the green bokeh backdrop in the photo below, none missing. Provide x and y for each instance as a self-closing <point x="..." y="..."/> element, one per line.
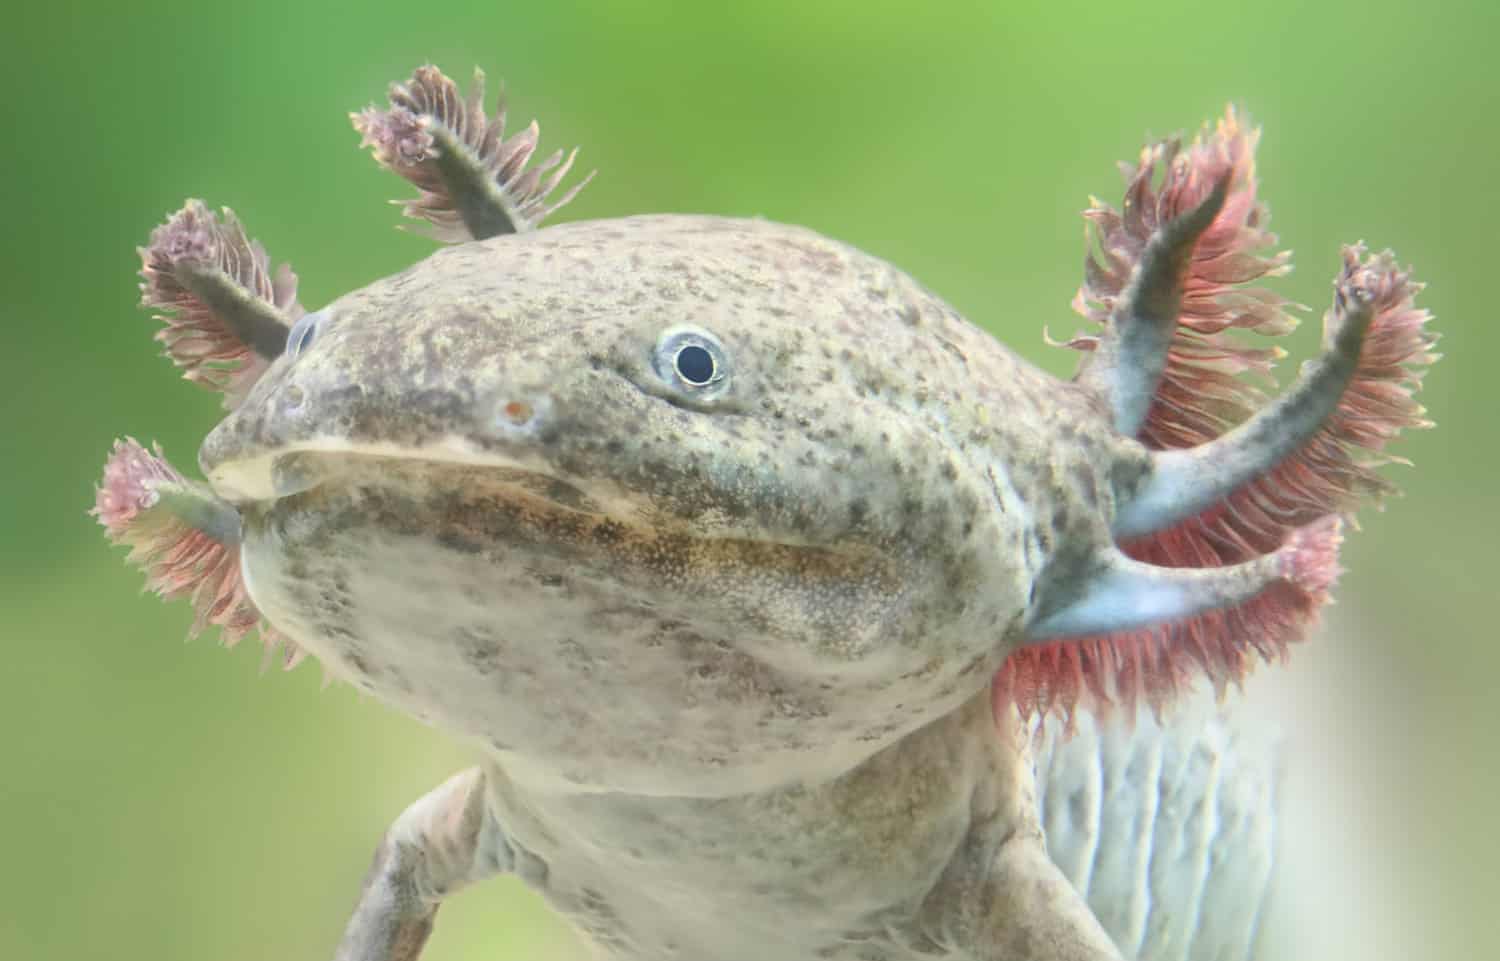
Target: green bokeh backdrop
<point x="168" y="802"/>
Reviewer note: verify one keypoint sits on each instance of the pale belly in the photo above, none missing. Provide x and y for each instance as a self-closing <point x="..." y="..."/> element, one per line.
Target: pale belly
<point x="1170" y="833"/>
<point x="1197" y="841"/>
<point x="849" y="870"/>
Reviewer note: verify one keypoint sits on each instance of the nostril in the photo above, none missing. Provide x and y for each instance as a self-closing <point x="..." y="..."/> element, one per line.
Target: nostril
<point x="518" y="412"/>
<point x="513" y="417"/>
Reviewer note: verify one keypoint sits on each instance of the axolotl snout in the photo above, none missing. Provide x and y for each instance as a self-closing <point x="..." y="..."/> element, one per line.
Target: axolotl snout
<point x="741" y="558"/>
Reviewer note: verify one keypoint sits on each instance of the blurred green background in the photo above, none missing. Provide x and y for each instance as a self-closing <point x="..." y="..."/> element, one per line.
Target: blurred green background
<point x="168" y="802"/>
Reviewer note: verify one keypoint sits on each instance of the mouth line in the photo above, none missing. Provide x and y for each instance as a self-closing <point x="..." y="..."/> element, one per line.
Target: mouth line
<point x="473" y="505"/>
<point x="271" y="474"/>
<point x="457" y="467"/>
<point x="298" y="471"/>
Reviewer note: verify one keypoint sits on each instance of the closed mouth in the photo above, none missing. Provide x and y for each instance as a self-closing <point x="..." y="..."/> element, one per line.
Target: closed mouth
<point x="301" y="471"/>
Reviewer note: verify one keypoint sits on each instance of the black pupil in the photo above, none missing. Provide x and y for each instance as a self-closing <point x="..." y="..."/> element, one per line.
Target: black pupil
<point x="695" y="364"/>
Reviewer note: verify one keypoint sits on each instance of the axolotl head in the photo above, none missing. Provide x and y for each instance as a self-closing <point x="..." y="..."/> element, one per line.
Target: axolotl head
<point x="579" y="491"/>
<point x="694" y="505"/>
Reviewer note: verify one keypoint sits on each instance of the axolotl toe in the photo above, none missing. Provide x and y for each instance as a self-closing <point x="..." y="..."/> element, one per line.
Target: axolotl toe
<point x="745" y="563"/>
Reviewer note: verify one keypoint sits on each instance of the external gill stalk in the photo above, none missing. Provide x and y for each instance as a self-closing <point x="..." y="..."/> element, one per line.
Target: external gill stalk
<point x="1128" y="366"/>
<point x="1124" y="595"/>
<point x="1188" y="481"/>
<point x="1227" y="543"/>
<point x="186" y="541"/>
<point x="473" y="182"/>
<point x="1193" y="379"/>
<point x="1134" y="631"/>
<point x="225" y="314"/>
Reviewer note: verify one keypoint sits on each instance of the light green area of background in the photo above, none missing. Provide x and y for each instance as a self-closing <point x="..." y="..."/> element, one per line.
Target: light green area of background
<point x="166" y="802"/>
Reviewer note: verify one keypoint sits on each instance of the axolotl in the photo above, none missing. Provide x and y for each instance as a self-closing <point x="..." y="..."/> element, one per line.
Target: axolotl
<point x="771" y="591"/>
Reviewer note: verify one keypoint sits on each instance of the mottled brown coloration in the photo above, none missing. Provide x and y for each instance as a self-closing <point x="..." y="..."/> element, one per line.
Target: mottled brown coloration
<point x="710" y="536"/>
<point x="858" y="610"/>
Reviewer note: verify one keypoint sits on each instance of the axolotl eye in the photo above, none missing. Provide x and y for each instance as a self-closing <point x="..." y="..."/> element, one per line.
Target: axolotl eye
<point x="693" y="361"/>
<point x="300" y="337"/>
<point x="695" y="365"/>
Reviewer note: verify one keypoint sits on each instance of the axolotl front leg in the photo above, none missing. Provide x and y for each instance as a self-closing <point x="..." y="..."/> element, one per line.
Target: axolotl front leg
<point x="445" y="841"/>
<point x="998" y="897"/>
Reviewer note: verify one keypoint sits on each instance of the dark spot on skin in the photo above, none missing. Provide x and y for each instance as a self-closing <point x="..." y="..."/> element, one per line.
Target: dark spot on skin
<point x="358" y="662"/>
<point x="1084" y="483"/>
<point x="338" y="632"/>
<point x="479" y="649"/>
<point x="608" y="532"/>
<point x="953" y="349"/>
<point x="455" y="540"/>
<point x="394" y="675"/>
<point x="566" y="495"/>
<point x="344" y="396"/>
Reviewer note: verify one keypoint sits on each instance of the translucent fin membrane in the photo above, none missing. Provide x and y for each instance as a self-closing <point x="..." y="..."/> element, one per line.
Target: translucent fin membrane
<point x="185" y="540"/>
<point x="224" y="315"/>
<point x="473" y="182"/>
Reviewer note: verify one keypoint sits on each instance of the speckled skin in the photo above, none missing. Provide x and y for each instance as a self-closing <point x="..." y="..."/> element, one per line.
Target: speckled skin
<point x="727" y="652"/>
